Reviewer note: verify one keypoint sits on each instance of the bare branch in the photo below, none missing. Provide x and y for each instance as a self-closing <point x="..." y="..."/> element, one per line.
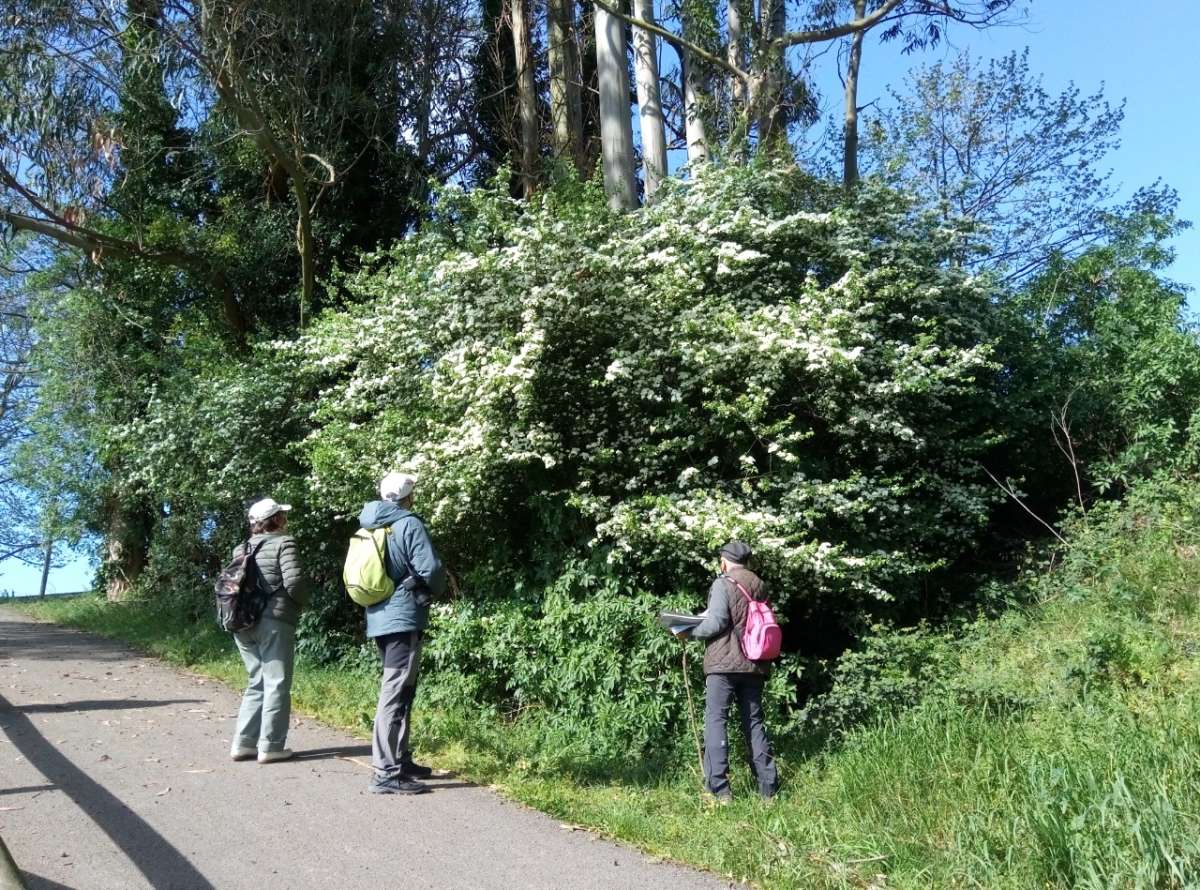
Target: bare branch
<point x="821" y="35"/>
<point x="1012" y="494"/>
<point x="676" y="41"/>
<point x="333" y="176"/>
<point x="1059" y="424"/>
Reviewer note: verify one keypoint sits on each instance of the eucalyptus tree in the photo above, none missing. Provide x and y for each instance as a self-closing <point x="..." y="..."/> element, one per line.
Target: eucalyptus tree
<point x="323" y="106"/>
<point x="650" y="108"/>
<point x="19" y="538"/>
<point x="616" y="129"/>
<point x="530" y="136"/>
<point x="173" y="144"/>
<point x="289" y="81"/>
<point x="566" y="103"/>
<point x="698" y="25"/>
<point x="752" y="53"/>
<point x="61" y="75"/>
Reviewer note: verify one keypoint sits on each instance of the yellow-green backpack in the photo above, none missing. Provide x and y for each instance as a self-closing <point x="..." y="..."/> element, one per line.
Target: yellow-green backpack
<point x="365" y="572"/>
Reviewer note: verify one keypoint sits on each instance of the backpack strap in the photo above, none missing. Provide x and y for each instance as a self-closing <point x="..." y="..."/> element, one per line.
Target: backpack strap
<point x="742" y="588"/>
<point x="251" y="553"/>
<point x="750" y="601"/>
<point x="384" y="556"/>
<point x="382" y="548"/>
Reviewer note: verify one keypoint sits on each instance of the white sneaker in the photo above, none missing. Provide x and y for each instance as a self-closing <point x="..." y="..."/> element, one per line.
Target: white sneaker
<point x="237" y="753"/>
<point x="274" y="756"/>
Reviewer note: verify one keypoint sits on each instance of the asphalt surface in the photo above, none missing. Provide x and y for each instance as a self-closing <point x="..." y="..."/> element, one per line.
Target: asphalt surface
<point x="114" y="773"/>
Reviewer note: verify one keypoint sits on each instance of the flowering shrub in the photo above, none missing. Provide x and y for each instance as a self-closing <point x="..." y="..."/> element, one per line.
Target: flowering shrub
<point x="595" y="402"/>
<point x="735" y="360"/>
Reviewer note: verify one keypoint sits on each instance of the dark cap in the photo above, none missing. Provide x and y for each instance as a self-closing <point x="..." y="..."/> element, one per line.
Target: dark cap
<point x="736" y="551"/>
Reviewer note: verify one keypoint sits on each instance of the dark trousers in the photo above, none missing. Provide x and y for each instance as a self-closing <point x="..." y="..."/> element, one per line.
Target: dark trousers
<point x="719" y="692"/>
<point x="393" y="717"/>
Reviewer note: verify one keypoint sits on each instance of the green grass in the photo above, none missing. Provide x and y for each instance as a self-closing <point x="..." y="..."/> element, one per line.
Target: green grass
<point x="1062" y="750"/>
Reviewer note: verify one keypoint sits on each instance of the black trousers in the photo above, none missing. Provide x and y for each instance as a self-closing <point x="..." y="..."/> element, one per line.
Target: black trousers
<point x="720" y="690"/>
<point x="393" y="716"/>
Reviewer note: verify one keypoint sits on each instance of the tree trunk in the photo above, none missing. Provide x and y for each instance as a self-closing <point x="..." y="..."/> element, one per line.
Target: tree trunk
<point x="772" y="122"/>
<point x="734" y="53"/>
<point x="850" y="148"/>
<point x="590" y="89"/>
<point x="694" y="94"/>
<point x="125" y="543"/>
<point x="526" y="98"/>
<point x="305" y="247"/>
<point x="650" y="113"/>
<point x="46" y="564"/>
<point x="616" y="128"/>
<point x="566" y="107"/>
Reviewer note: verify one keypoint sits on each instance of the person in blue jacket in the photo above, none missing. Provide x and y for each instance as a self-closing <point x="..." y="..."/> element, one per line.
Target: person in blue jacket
<point x="397" y="625"/>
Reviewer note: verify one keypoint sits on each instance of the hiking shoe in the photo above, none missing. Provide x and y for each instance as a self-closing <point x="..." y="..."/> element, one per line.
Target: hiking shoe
<point x="721" y="798"/>
<point x="411" y="770"/>
<point x="397" y="785"/>
<point x="236" y="753"/>
<point x="275" y="756"/>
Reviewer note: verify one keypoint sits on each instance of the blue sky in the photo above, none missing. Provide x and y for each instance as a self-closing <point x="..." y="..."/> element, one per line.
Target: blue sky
<point x="1147" y="54"/>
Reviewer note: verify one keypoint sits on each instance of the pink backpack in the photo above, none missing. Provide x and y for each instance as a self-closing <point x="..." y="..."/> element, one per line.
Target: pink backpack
<point x="762" y="636"/>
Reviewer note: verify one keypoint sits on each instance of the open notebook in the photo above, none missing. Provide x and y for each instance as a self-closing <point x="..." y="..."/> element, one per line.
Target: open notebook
<point x="677" y="622"/>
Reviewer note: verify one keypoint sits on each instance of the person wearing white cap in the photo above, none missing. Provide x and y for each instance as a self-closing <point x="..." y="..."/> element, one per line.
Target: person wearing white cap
<point x="268" y="648"/>
<point x="397" y="625"/>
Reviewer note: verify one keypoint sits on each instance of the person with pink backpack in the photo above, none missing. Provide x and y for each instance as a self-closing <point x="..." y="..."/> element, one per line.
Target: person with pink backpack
<point x="741" y="637"/>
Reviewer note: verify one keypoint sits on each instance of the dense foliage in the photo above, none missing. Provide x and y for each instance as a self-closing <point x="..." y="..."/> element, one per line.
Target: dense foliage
<point x="753" y="356"/>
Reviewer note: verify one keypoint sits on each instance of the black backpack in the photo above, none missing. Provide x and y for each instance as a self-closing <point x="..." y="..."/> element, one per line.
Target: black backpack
<point x="241" y="594"/>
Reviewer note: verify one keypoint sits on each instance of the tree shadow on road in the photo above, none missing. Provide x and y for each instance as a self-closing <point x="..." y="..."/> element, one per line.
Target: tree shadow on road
<point x="149" y="851"/>
<point x="115" y="704"/>
<point x="29" y="789"/>
<point x="338" y="751"/>
<point x="30" y="640"/>
<point x="37" y="882"/>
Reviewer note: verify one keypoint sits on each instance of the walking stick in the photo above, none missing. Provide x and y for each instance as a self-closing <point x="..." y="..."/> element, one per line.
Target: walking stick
<point x="687" y="685"/>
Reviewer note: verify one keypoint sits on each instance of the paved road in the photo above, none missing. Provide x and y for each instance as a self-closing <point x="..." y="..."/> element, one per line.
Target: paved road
<point x="114" y="773"/>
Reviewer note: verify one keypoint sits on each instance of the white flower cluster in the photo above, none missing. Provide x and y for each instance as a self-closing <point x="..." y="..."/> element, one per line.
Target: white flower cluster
<point x="735" y="360"/>
<point x="711" y="367"/>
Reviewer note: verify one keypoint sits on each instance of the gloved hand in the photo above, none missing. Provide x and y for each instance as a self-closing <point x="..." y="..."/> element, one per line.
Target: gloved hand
<point x="415" y="585"/>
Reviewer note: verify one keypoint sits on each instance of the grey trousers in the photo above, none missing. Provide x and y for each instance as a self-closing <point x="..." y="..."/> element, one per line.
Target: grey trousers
<point x="719" y="693"/>
<point x="269" y="652"/>
<point x="393" y="717"/>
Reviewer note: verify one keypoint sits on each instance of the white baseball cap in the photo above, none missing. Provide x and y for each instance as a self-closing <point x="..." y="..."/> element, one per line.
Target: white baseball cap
<point x="261" y="511"/>
<point x="396" y="486"/>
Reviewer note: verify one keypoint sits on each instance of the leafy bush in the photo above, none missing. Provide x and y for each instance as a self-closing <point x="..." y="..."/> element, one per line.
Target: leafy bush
<point x="594" y="402"/>
<point x="750" y="357"/>
<point x="888" y="673"/>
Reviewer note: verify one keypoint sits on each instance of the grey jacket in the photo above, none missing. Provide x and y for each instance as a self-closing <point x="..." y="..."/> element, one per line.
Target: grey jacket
<point x="409" y="551"/>
<point x="722" y="629"/>
<point x="279" y="567"/>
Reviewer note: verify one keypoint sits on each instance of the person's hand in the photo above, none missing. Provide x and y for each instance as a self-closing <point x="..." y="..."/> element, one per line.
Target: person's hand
<point x="681" y="634"/>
